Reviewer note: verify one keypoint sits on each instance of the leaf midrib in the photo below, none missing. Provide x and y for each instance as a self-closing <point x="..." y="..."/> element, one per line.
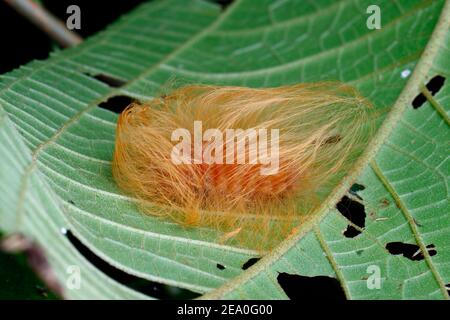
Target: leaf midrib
<point x="409" y="218"/>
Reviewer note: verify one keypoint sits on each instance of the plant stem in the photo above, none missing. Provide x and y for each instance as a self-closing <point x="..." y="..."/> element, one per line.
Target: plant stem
<point x="46" y="21"/>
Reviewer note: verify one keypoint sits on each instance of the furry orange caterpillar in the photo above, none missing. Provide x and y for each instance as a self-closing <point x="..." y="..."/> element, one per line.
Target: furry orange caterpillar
<point x="321" y="129"/>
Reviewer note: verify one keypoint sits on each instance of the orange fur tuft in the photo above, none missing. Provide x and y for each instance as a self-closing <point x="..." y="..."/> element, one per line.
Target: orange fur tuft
<point x="322" y="129"/>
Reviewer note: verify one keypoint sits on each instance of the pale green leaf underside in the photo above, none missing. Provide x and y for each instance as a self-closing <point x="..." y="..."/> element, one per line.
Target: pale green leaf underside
<point x="56" y="144"/>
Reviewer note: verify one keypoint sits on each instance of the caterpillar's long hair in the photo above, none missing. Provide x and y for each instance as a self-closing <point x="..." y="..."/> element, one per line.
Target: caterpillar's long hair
<point x="323" y="127"/>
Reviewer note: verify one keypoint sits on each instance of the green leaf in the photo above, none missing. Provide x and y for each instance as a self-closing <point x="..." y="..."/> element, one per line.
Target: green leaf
<point x="56" y="145"/>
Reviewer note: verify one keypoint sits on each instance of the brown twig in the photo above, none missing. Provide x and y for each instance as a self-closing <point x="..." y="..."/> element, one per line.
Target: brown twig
<point x="46" y="21"/>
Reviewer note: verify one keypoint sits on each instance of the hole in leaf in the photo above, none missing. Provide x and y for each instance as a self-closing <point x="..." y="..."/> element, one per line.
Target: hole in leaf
<point x="351" y="232"/>
<point x="355" y="188"/>
<point x="353" y="211"/>
<point x="224" y="3"/>
<point x="108" y="80"/>
<point x="220" y="266"/>
<point x="410" y="251"/>
<point x="419" y="100"/>
<point x="306" y="288"/>
<point x="153" y="289"/>
<point x="249" y="263"/>
<point x="116" y="104"/>
<point x="71" y="202"/>
<point x="434" y="85"/>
